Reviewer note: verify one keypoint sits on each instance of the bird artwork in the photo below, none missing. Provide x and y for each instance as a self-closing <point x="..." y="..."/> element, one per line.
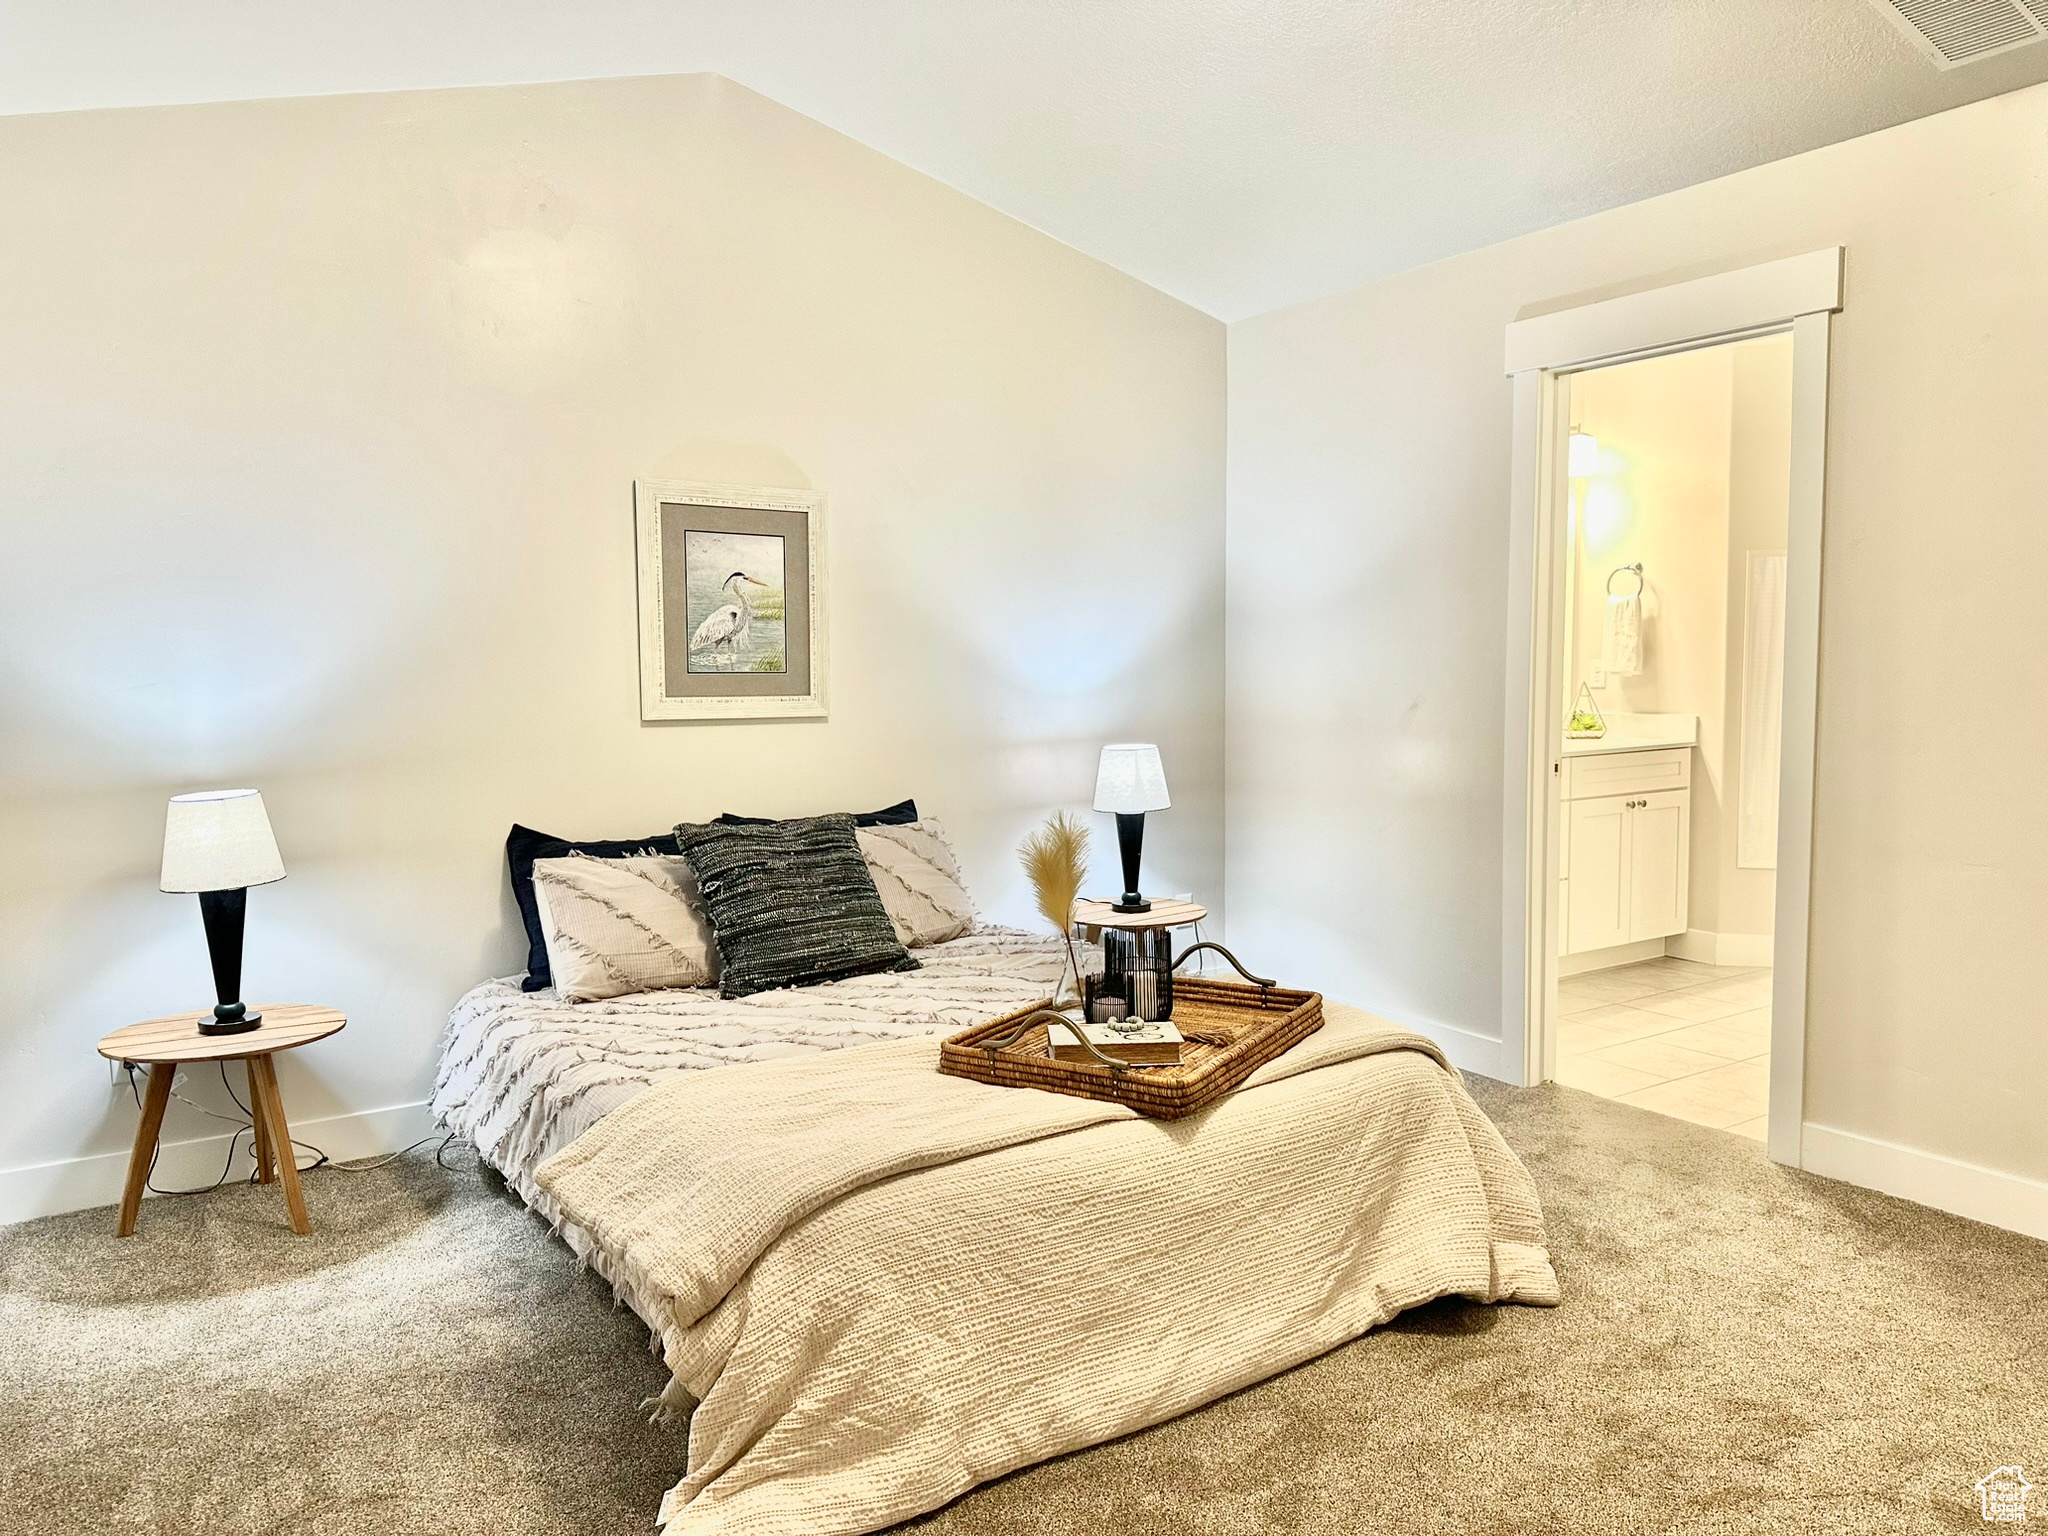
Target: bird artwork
<point x="724" y="630"/>
<point x="731" y="618"/>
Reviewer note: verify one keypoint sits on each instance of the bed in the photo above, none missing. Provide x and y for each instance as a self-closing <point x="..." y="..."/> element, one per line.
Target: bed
<point x="523" y="1074"/>
<point x="875" y="1286"/>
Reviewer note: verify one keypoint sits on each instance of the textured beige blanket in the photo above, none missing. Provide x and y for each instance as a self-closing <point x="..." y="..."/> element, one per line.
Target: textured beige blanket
<point x="882" y="1286"/>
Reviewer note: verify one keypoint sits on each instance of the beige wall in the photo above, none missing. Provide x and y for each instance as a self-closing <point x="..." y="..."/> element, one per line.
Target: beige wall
<point x="320" y="424"/>
<point x="1368" y="584"/>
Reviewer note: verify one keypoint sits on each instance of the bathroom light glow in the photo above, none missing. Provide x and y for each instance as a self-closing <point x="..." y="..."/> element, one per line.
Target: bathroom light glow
<point x="1582" y="455"/>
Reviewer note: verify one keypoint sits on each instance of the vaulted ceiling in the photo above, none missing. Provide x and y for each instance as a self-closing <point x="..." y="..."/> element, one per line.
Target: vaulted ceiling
<point x="1239" y="154"/>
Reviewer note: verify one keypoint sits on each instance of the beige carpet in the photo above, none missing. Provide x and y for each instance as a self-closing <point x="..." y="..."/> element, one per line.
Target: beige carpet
<point x="1740" y="1349"/>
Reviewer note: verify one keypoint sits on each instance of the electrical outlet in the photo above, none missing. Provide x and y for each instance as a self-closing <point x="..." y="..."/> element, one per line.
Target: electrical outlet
<point x="1599" y="678"/>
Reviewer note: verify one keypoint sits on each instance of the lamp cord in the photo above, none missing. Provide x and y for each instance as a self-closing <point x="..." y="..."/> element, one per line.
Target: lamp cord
<point x="248" y="1125"/>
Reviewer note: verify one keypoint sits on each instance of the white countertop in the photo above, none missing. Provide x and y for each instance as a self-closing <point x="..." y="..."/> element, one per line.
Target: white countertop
<point x="1638" y="733"/>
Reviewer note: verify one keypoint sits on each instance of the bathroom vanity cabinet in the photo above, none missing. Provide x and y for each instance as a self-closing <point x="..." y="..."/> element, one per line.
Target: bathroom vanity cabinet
<point x="1625" y="842"/>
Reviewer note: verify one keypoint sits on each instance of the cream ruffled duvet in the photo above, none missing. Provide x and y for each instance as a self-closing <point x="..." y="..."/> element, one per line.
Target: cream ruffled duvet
<point x="880" y="1286"/>
<point x="523" y="1074"/>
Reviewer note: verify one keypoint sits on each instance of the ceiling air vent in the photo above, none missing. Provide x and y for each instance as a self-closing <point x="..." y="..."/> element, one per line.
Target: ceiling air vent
<point x="1952" y="32"/>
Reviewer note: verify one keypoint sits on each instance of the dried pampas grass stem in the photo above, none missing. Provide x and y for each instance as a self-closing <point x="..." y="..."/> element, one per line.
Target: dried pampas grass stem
<point x="1055" y="857"/>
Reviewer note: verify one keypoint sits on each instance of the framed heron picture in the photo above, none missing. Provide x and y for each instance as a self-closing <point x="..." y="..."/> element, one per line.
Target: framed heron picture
<point x="732" y="602"/>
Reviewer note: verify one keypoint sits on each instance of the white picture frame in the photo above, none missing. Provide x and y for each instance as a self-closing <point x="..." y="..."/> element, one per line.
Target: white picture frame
<point x="713" y="649"/>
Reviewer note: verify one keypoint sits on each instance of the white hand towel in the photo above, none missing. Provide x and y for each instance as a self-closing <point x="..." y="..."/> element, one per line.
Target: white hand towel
<point x="1621" y="646"/>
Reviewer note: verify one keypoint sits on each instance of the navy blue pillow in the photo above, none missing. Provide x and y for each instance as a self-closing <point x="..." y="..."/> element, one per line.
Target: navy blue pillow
<point x="522" y="846"/>
<point x="901" y="814"/>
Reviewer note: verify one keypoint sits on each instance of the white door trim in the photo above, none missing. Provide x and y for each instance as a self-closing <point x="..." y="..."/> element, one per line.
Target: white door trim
<point x="1679" y="315"/>
<point x="1796" y="295"/>
<point x="1530" y="816"/>
<point x="1796" y="737"/>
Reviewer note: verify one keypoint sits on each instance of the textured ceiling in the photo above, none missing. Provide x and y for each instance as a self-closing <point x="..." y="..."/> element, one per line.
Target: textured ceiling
<point x="1240" y="154"/>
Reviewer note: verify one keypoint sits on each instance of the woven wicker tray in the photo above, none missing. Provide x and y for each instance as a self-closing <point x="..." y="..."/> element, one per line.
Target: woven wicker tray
<point x="1231" y="1029"/>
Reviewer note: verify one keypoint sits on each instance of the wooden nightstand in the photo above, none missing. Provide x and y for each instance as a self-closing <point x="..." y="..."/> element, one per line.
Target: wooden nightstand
<point x="1165" y="913"/>
<point x="170" y="1043"/>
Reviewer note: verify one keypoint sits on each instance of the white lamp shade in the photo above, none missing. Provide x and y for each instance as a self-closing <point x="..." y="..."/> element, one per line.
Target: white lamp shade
<point x="1130" y="778"/>
<point x="218" y="840"/>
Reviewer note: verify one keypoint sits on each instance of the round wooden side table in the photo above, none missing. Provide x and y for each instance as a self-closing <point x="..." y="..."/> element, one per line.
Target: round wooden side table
<point x="166" y="1044"/>
<point x="1164" y="913"/>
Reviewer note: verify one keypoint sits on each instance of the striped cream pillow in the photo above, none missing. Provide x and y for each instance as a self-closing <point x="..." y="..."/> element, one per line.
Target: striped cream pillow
<point x="919" y="882"/>
<point x="614" y="926"/>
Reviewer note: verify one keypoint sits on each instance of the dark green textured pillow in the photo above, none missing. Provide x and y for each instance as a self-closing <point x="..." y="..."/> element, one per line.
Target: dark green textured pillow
<point x="791" y="903"/>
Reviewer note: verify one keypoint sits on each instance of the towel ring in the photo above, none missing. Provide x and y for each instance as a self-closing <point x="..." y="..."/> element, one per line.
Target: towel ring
<point x="1636" y="571"/>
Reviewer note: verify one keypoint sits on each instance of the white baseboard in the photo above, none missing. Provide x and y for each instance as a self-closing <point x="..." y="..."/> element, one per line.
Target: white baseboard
<point x="1720" y="948"/>
<point x="78" y="1183"/>
<point x="1963" y="1189"/>
<point x="1603" y="959"/>
<point x="1467" y="1051"/>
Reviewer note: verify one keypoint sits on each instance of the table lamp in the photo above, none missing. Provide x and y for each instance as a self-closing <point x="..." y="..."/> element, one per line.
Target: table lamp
<point x="1131" y="781"/>
<point x="218" y="844"/>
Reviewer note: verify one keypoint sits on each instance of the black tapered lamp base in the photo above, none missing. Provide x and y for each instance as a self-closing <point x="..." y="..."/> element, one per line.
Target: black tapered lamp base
<point x="224" y="912"/>
<point x="1130" y="843"/>
<point x="238" y="1022"/>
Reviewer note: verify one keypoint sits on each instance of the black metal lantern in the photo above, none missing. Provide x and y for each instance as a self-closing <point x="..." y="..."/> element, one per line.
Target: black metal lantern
<point x="1136" y="980"/>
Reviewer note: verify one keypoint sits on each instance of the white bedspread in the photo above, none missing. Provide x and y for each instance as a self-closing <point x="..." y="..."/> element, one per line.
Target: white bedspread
<point x="881" y="1286"/>
<point x="523" y="1074"/>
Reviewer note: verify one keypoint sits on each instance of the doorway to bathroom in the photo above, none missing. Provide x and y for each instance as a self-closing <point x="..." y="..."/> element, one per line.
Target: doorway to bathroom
<point x="1672" y="594"/>
<point x="1623" y="827"/>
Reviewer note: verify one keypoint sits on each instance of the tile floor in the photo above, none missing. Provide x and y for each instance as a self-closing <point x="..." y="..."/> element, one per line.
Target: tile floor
<point x="1681" y="1038"/>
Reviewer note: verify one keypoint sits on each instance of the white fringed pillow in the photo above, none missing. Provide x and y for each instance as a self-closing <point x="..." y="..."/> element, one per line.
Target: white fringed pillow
<point x="614" y="926"/>
<point x="919" y="882"/>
